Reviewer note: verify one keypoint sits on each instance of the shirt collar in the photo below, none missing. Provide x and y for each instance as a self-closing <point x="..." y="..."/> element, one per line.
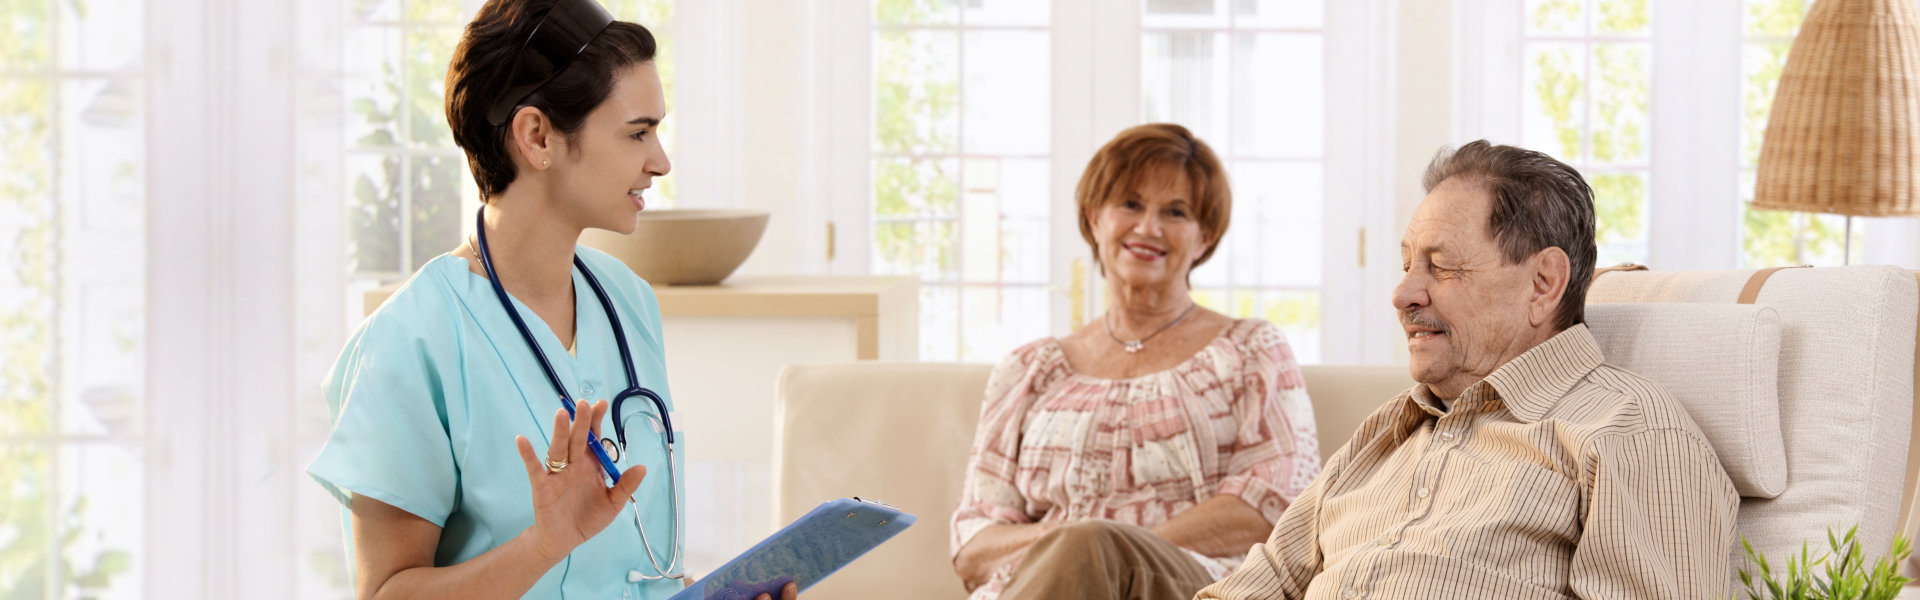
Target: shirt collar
<point x="1532" y="383"/>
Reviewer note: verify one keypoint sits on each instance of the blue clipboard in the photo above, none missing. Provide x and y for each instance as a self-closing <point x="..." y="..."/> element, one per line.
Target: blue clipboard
<point x="805" y="551"/>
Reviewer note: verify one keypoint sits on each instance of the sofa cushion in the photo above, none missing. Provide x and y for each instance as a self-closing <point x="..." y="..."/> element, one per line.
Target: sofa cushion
<point x="1846" y="394"/>
<point x="1721" y="362"/>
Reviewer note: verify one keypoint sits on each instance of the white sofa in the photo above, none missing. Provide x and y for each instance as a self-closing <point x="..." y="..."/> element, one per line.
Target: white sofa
<point x="1817" y="433"/>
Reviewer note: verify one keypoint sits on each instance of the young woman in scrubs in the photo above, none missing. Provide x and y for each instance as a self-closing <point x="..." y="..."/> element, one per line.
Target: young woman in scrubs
<point x="464" y="476"/>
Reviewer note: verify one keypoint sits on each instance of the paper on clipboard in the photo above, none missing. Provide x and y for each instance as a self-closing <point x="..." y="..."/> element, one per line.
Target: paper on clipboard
<point x="827" y="538"/>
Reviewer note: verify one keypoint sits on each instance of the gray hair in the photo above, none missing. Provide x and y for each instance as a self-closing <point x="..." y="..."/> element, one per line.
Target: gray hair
<point x="1538" y="203"/>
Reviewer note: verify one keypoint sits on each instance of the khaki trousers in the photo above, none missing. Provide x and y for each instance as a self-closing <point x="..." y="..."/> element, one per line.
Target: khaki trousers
<point x="1105" y="560"/>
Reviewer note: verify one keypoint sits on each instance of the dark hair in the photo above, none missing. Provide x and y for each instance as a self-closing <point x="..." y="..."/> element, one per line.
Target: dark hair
<point x="1538" y="203"/>
<point x="1133" y="154"/>
<point x="483" y="62"/>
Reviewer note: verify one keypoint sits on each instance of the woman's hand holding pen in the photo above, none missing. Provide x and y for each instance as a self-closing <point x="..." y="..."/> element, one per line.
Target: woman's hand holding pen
<point x="573" y="503"/>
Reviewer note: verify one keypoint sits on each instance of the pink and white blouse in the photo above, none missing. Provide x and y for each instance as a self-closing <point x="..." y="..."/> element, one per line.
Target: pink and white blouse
<point x="1057" y="446"/>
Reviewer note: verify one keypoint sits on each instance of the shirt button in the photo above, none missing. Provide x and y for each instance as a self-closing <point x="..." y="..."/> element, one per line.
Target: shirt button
<point x="1349" y="594"/>
<point x="1446" y="437"/>
<point x="588" y="391"/>
<point x="1422" y="492"/>
<point x="1385" y="542"/>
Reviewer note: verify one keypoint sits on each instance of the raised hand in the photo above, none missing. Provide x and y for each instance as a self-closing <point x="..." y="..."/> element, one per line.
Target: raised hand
<point x="572" y="502"/>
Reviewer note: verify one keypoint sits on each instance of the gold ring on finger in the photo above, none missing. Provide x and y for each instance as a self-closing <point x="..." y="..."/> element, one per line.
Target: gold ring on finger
<point x="555" y="466"/>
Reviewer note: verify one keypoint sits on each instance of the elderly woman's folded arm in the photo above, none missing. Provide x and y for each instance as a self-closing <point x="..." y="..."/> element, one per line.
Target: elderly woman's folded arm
<point x="1223" y="525"/>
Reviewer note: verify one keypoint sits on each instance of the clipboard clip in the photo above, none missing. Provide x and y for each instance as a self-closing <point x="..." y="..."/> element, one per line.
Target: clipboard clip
<point x="875" y="502"/>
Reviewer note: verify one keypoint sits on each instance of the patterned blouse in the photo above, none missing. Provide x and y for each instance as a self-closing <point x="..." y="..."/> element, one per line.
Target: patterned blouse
<point x="1057" y="446"/>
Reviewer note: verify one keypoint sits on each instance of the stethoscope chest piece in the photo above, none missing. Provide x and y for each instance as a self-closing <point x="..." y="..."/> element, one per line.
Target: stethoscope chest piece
<point x="612" y="447"/>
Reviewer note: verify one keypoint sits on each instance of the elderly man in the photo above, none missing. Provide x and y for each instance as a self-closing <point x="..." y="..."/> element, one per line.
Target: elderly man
<point x="1522" y="466"/>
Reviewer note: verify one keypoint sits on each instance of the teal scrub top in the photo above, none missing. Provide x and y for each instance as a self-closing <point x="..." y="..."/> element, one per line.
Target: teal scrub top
<point x="428" y="395"/>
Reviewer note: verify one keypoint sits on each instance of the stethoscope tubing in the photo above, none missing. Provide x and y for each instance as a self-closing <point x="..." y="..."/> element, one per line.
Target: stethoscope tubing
<point x="633" y="389"/>
<point x="620" y="338"/>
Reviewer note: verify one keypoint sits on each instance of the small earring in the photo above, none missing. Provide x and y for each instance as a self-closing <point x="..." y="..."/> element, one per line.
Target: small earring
<point x="543" y="164"/>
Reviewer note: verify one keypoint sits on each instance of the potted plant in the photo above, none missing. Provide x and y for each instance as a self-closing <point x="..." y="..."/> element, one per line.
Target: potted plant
<point x="1842" y="573"/>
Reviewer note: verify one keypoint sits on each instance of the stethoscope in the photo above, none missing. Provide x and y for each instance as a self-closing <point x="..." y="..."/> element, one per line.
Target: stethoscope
<point x="618" y="445"/>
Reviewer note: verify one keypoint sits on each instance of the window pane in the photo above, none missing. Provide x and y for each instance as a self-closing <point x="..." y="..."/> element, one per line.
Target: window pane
<point x="1621" y="98"/>
<point x="915" y="12"/>
<point x="1290" y="14"/>
<point x="916" y="247"/>
<point x="372" y="83"/>
<point x="939" y="323"/>
<point x="27" y="515"/>
<point x="999" y="319"/>
<point x="1776" y="238"/>
<point x="429" y="50"/>
<point x="29" y="236"/>
<point x="916" y="88"/>
<point x="1620" y="206"/>
<point x="1183" y="13"/>
<point x="1008" y="13"/>
<point x="104" y="396"/>
<point x="1287" y="220"/>
<point x="1762" y="64"/>
<point x="436" y="215"/>
<point x="101" y="522"/>
<point x="362" y="11"/>
<point x="1775" y="17"/>
<point x="1623" y="17"/>
<point x="373" y="214"/>
<point x="915" y="187"/>
<point x="437" y="11"/>
<point x="1184" y="79"/>
<point x="1025" y="213"/>
<point x="101" y="35"/>
<point x="30" y="28"/>
<point x="1004" y="219"/>
<point x="1007" y="92"/>
<point x="1556" y="17"/>
<point x="1279" y="95"/>
<point x="1554" y="101"/>
<point x="1298" y="315"/>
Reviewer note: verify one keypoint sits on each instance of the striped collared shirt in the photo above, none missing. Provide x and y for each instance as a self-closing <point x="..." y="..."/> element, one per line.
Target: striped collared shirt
<point x="1557" y="476"/>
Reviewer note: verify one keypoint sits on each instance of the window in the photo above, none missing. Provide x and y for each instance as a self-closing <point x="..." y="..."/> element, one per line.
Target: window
<point x="1586" y="99"/>
<point x="1772" y="237"/>
<point x="409" y="193"/>
<point x="973" y="158"/>
<point x="1247" y="78"/>
<point x="960" y="167"/>
<point x="72" y="321"/>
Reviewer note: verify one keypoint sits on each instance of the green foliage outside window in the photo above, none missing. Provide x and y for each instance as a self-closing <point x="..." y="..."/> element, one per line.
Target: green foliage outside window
<point x="916" y="105"/>
<point x="1772" y="237"/>
<point x="1598" y="118"/>
<point x="417" y="167"/>
<point x="35" y="556"/>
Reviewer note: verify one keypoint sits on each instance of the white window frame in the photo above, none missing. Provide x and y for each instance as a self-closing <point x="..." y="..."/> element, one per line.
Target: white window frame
<point x="1096" y="54"/>
<point x="1693" y="215"/>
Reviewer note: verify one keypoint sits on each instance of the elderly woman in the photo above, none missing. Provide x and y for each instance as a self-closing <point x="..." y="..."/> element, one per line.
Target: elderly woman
<point x="1141" y="456"/>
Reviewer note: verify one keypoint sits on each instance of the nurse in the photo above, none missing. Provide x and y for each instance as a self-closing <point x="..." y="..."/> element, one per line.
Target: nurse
<point x="463" y="474"/>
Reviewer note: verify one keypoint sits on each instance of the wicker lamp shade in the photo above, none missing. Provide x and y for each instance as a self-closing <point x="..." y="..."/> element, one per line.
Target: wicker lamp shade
<point x="1844" y="135"/>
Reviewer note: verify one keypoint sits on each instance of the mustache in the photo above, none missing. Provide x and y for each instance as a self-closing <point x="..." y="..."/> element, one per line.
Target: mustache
<point x="1409" y="318"/>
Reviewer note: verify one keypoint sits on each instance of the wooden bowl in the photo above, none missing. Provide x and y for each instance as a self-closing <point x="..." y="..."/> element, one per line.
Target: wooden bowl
<point x="684" y="246"/>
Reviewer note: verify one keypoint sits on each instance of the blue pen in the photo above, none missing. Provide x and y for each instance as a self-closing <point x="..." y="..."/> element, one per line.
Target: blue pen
<point x="599" y="452"/>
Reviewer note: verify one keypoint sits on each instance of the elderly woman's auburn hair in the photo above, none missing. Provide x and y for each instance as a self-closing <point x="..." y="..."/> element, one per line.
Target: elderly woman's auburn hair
<point x="1144" y="151"/>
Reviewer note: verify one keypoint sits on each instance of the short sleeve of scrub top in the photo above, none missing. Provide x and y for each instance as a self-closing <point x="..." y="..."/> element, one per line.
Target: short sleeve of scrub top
<point x="429" y="394"/>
